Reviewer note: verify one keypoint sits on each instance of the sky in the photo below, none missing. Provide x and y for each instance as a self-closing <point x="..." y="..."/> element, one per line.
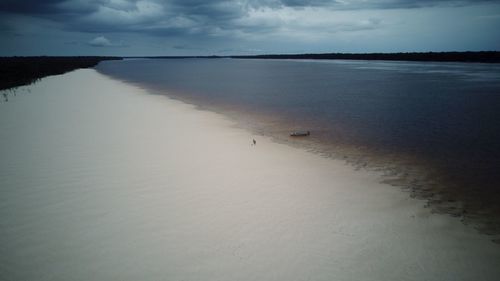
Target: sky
<point x="233" y="27"/>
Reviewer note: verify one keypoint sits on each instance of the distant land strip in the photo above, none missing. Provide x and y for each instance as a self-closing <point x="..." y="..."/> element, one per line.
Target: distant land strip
<point x="18" y="71"/>
<point x="483" y="56"/>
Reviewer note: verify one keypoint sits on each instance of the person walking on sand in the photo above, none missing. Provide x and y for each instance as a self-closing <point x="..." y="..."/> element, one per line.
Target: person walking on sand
<point x="254" y="142"/>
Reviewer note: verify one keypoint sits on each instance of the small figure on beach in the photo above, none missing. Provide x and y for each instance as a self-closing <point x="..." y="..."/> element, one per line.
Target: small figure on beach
<point x="254" y="142"/>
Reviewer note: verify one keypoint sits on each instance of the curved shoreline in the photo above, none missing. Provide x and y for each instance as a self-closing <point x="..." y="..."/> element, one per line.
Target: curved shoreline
<point x="414" y="176"/>
<point x="405" y="175"/>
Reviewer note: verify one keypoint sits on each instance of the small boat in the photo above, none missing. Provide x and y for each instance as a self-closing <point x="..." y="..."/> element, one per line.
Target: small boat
<point x="300" y="134"/>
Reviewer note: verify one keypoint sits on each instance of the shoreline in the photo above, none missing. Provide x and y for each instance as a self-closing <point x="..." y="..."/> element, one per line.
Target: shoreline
<point x="404" y="171"/>
<point x="413" y="180"/>
<point x="144" y="180"/>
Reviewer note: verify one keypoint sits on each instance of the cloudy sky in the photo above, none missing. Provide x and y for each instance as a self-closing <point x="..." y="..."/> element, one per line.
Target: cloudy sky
<point x="221" y="27"/>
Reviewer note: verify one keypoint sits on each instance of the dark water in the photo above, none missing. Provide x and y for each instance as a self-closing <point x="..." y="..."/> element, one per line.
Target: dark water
<point x="444" y="115"/>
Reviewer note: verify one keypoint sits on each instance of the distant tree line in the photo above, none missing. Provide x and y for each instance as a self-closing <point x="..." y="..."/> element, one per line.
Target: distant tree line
<point x="18" y="71"/>
<point x="486" y="56"/>
<point x="483" y="56"/>
<point x="178" y="57"/>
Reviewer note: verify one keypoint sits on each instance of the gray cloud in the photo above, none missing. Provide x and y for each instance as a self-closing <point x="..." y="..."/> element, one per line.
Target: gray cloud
<point x="171" y="15"/>
<point x="197" y="22"/>
<point x="376" y="4"/>
<point x="201" y="18"/>
<point x="100" y="41"/>
<point x="29" y="7"/>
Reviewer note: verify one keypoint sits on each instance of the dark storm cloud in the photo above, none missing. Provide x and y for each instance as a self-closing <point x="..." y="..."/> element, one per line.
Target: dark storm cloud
<point x="187" y="17"/>
<point x="211" y="8"/>
<point x="28" y="7"/>
<point x="246" y="26"/>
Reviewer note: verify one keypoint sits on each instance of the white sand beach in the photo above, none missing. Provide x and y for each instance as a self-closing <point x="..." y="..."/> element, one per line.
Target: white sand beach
<point x="100" y="180"/>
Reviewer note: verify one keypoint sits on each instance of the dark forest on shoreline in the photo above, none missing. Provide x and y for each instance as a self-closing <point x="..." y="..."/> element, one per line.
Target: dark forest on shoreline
<point x="18" y="71"/>
<point x="482" y="57"/>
